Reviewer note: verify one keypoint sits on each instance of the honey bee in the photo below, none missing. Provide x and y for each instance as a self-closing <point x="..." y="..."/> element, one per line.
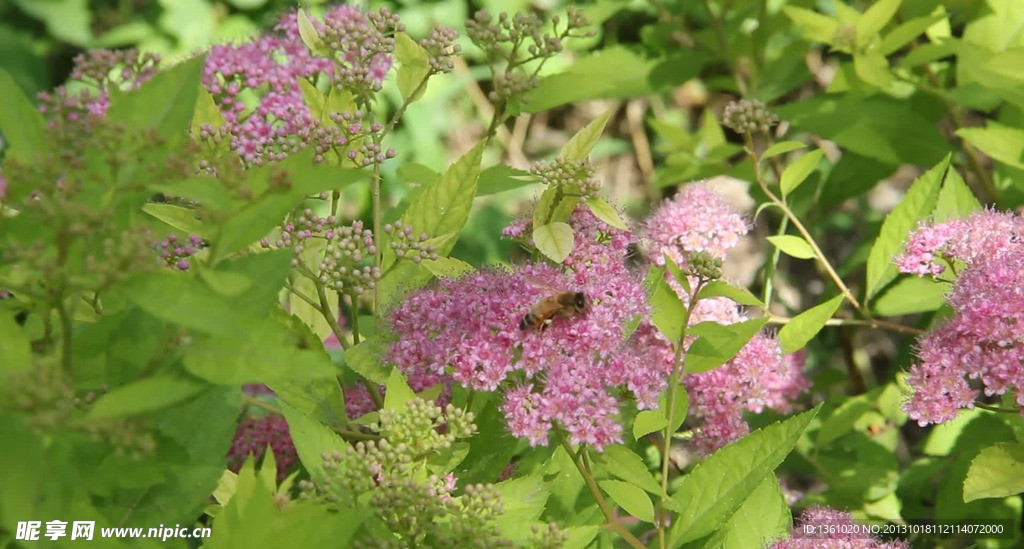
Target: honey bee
<point x="564" y="304"/>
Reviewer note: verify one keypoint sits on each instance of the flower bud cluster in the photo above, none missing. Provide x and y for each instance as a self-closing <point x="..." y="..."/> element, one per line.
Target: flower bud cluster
<point x="574" y="176"/>
<point x="702" y="265"/>
<point x="385" y="470"/>
<point x="517" y="40"/>
<point x="103" y="70"/>
<point x="440" y="45"/>
<point x="748" y="116"/>
<point x="176" y="253"/>
<point x="362" y="45"/>
<point x="347" y="264"/>
<point x="407" y="246"/>
<point x="253" y="436"/>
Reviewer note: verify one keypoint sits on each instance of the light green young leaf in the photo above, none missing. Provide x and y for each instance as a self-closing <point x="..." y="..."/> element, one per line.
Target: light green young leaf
<point x="550" y="208"/>
<point x="152" y="393"/>
<point x="366" y="359"/>
<point x="398" y="391"/>
<point x="583" y="142"/>
<point x="310" y="37"/>
<point x="648" y="421"/>
<point x="524" y="499"/>
<point x="996" y="472"/>
<point x="803" y="327"/>
<point x="625" y="464"/>
<point x="15" y="350"/>
<point x="166" y="103"/>
<point x="763" y="518"/>
<point x="633" y="500"/>
<point x="679" y="410"/>
<point x="443" y="206"/>
<point x="447" y="267"/>
<point x="816" y="27"/>
<point x="915" y="206"/>
<point x="792" y="245"/>
<point x="908" y="31"/>
<point x="667" y="310"/>
<point x="413" y="67"/>
<point x="873" y="68"/>
<point x="875" y="19"/>
<point x="183" y="219"/>
<point x="716" y="488"/>
<point x="956" y="200"/>
<point x="206" y="112"/>
<point x="22" y="125"/>
<point x="554" y="240"/>
<point x="312" y="439"/>
<point x="605" y="212"/>
<point x="910" y="295"/>
<point x="1002" y="143"/>
<point x="187" y="302"/>
<point x="797" y="172"/>
<point x="782" y="147"/>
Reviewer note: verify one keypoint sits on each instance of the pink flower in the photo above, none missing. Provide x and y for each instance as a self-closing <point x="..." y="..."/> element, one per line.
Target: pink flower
<point x="253" y="436"/>
<point x="696" y="219"/>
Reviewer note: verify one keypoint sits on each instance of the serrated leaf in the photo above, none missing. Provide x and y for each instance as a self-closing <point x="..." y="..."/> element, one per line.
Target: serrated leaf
<point x="551" y="207"/>
<point x="793" y="245"/>
<point x="915" y="206"/>
<point x="366" y="359"/>
<point x="606" y="213"/>
<point x="803" y="327"/>
<point x="447" y="267"/>
<point x="996" y="472"/>
<point x="782" y="147"/>
<point x="633" y="500"/>
<point x="956" y="200"/>
<point x="762" y="518"/>
<point x="166" y="103"/>
<point x="716" y="488"/>
<point x="583" y="142"/>
<point x="554" y="240"/>
<point x="875" y="18"/>
<point x="186" y="302"/>
<point x="443" y="206"/>
<point x="720" y="288"/>
<point x="797" y="172"/>
<point x="500" y="178"/>
<point x="667" y="310"/>
<point x="1002" y="143"/>
<point x="413" y="67"/>
<point x="22" y="125"/>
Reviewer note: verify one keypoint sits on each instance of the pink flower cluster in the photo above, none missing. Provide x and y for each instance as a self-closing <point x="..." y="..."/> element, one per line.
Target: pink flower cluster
<point x="175" y="253"/>
<point x="270" y="67"/>
<point x="567" y="376"/>
<point x="253" y="436"/>
<point x="815" y="530"/>
<point x="697" y="219"/>
<point x="983" y="340"/>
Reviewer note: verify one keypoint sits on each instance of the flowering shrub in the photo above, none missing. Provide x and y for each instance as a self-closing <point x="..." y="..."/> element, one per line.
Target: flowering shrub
<point x="361" y="280"/>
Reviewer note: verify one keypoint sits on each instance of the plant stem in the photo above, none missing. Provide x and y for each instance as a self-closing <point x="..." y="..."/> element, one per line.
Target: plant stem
<point x="869" y="322"/>
<point x="818" y="254"/>
<point x="588" y="477"/>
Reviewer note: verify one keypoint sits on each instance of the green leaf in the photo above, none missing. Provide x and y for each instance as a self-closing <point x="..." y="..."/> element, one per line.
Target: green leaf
<point x="996" y="472"/>
<point x="166" y="103"/>
<point x="183" y="219"/>
<point x="15" y="350"/>
<point x="816" y="27"/>
<point x="872" y="67"/>
<point x="398" y="391"/>
<point x="447" y="267"/>
<point x="443" y="206"/>
<point x="720" y="288"/>
<point x="908" y="31"/>
<point x="611" y="72"/>
<point x="579" y="147"/>
<point x="312" y="439"/>
<point x="716" y="488"/>
<point x="804" y="326"/>
<point x="648" y="421"/>
<point x="268" y="352"/>
<point x="186" y="302"/>
<point x="22" y="125"/>
<point x="321" y="399"/>
<point x="554" y="240"/>
<point x="910" y="295"/>
<point x="523" y="499"/>
<point x="367" y="360"/>
<point x="603" y="211"/>
<point x="1002" y="143"/>
<point x="310" y="37"/>
<point x="797" y="172"/>
<point x="875" y="19"/>
<point x="633" y="500"/>
<point x="956" y="200"/>
<point x="252" y="223"/>
<point x="782" y="147"/>
<point x="718" y="343"/>
<point x="413" y="67"/>
<point x="679" y="410"/>
<point x="915" y="206"/>
<point x="145" y="395"/>
<point x="625" y="464"/>
<point x="763" y="517"/>
<point x="206" y="112"/>
<point x="66" y="20"/>
<point x="667" y="310"/>
<point x="793" y="245"/>
<point x="549" y="211"/>
<point x="500" y="178"/>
